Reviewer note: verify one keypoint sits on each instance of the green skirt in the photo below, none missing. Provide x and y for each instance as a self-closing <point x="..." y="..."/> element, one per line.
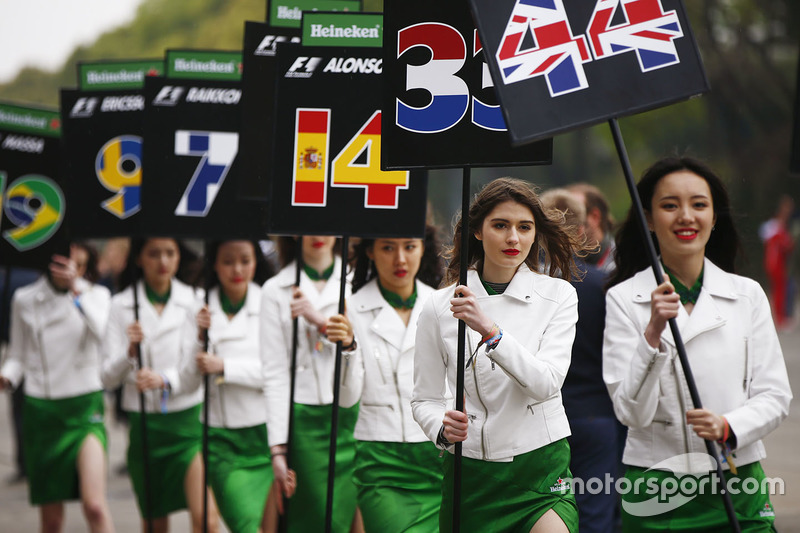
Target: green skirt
<point x="53" y="433"/>
<point x="511" y="497"/>
<point x="309" y="455"/>
<point x="240" y="474"/>
<point x="173" y="440"/>
<point x="696" y="507"/>
<point x="398" y="485"/>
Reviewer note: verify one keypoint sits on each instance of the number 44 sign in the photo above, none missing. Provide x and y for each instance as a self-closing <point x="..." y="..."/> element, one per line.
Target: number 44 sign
<point x="561" y="65"/>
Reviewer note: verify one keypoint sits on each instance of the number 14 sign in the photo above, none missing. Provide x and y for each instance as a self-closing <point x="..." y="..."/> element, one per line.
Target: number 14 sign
<point x="560" y="65"/>
<point x="328" y="179"/>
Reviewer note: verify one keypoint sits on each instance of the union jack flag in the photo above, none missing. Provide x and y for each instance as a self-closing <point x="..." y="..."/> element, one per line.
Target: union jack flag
<point x="539" y="42"/>
<point x="646" y="29"/>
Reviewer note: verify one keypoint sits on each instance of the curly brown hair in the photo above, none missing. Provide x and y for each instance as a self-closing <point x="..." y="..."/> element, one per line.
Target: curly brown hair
<point x="555" y="243"/>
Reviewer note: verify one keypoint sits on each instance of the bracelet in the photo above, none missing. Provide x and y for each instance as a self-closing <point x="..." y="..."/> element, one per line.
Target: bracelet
<point x="492" y="339"/>
<point x="726" y="431"/>
<point x="277" y="453"/>
<point x="349" y="346"/>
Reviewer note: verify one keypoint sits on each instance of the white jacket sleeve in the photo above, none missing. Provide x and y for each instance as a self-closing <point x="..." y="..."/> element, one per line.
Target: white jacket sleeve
<point x="429" y="398"/>
<point x="275" y="345"/>
<point x="352" y="379"/>
<point x="769" y="391"/>
<point x="95" y="304"/>
<point x="541" y="373"/>
<point x="631" y="367"/>
<point x="116" y="363"/>
<point x="18" y="345"/>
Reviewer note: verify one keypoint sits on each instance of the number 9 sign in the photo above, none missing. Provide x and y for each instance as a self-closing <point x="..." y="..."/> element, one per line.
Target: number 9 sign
<point x="35" y="205"/>
<point x="119" y="169"/>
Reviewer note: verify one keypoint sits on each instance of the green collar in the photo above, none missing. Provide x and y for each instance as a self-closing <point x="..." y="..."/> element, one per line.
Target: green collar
<point x="493" y="289"/>
<point x="313" y="275"/>
<point x="156" y="298"/>
<point x="230" y="308"/>
<point x="688" y="295"/>
<point x="396" y="301"/>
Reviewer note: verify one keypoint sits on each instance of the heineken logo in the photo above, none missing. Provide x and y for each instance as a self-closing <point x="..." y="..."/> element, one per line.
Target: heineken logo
<point x="112" y="104"/>
<point x="211" y="66"/>
<point x="23" y="119"/>
<point x="206" y="95"/>
<point x="102" y="77"/>
<point x="286" y="13"/>
<point x="351" y="32"/>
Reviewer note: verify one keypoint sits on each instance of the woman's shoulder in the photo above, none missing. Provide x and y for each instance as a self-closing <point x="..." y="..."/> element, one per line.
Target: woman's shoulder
<point x="284" y="278"/>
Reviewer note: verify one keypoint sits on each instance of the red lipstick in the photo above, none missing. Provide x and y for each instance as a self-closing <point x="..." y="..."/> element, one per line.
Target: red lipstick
<point x="511" y="251"/>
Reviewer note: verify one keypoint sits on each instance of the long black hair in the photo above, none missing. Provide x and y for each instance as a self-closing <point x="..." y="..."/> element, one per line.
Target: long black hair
<point x="189" y="266"/>
<point x="431" y="266"/>
<point x="264" y="270"/>
<point x="723" y="245"/>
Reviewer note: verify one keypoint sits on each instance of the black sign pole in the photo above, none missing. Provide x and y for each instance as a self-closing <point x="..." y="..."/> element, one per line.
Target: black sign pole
<point x="145" y="451"/>
<point x="207" y="283"/>
<point x="337" y="374"/>
<point x="283" y="524"/>
<point x="673" y="325"/>
<point x="462" y="343"/>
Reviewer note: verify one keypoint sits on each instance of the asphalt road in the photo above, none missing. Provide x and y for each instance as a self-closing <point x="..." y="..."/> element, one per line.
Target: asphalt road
<point x="17" y="516"/>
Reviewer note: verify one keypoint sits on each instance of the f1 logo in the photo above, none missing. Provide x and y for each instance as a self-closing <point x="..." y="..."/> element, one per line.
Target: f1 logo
<point x="269" y="45"/>
<point x="168" y="96"/>
<point x="84" y="107"/>
<point x="307" y="64"/>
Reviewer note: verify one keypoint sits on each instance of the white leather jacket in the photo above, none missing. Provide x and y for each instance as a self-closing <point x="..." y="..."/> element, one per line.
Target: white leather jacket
<point x="169" y="338"/>
<point x="315" y="354"/>
<point x="238" y="398"/>
<point x="56" y="339"/>
<point x="513" y="393"/>
<point x="380" y="371"/>
<point x="735" y="358"/>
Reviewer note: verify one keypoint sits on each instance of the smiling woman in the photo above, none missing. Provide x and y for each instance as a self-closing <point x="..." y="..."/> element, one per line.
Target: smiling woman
<point x="730" y="340"/>
<point x="43" y="33"/>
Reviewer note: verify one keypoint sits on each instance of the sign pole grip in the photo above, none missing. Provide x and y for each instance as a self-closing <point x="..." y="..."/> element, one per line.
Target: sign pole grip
<point x="143" y="416"/>
<point x="337" y="375"/>
<point x="462" y="338"/>
<point x="673" y="325"/>
<point x="283" y="522"/>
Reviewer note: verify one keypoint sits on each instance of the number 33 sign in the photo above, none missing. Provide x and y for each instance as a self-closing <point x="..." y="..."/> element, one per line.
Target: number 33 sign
<point x="563" y="64"/>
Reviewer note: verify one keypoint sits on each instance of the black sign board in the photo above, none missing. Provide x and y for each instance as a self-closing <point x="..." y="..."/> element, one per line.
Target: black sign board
<point x="32" y="202"/>
<point x="560" y="65"/>
<point x="192" y="142"/>
<point x="258" y="106"/>
<point x="102" y="160"/>
<point x="327" y="176"/>
<point x="440" y="106"/>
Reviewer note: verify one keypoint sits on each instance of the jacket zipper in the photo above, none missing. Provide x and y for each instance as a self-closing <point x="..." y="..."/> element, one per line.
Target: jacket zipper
<point x="316" y="374"/>
<point x="746" y="356"/>
<point x="346" y="368"/>
<point x="45" y="369"/>
<point x="646" y="373"/>
<point x="399" y="401"/>
<point x="679" y="392"/>
<point x="478" y="391"/>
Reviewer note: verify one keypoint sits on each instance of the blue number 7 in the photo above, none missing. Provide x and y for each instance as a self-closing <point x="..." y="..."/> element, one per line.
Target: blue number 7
<point x="217" y="150"/>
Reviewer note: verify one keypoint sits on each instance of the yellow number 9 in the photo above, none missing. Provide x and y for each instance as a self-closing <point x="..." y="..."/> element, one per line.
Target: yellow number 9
<point x="119" y="168"/>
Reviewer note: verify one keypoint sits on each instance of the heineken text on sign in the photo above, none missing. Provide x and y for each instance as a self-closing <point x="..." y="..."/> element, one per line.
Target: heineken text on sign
<point x="440" y="108"/>
<point x="117" y="74"/>
<point x="204" y="65"/>
<point x="342" y="29"/>
<point x="20" y="119"/>
<point x="327" y="177"/>
<point x="32" y="203"/>
<point x="560" y="65"/>
<point x="289" y="13"/>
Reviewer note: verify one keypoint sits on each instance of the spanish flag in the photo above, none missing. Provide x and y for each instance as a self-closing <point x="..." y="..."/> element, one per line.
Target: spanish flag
<point x="310" y="174"/>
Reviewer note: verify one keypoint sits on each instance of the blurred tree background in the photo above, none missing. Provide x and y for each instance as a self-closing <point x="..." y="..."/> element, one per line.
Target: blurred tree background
<point x="742" y="127"/>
